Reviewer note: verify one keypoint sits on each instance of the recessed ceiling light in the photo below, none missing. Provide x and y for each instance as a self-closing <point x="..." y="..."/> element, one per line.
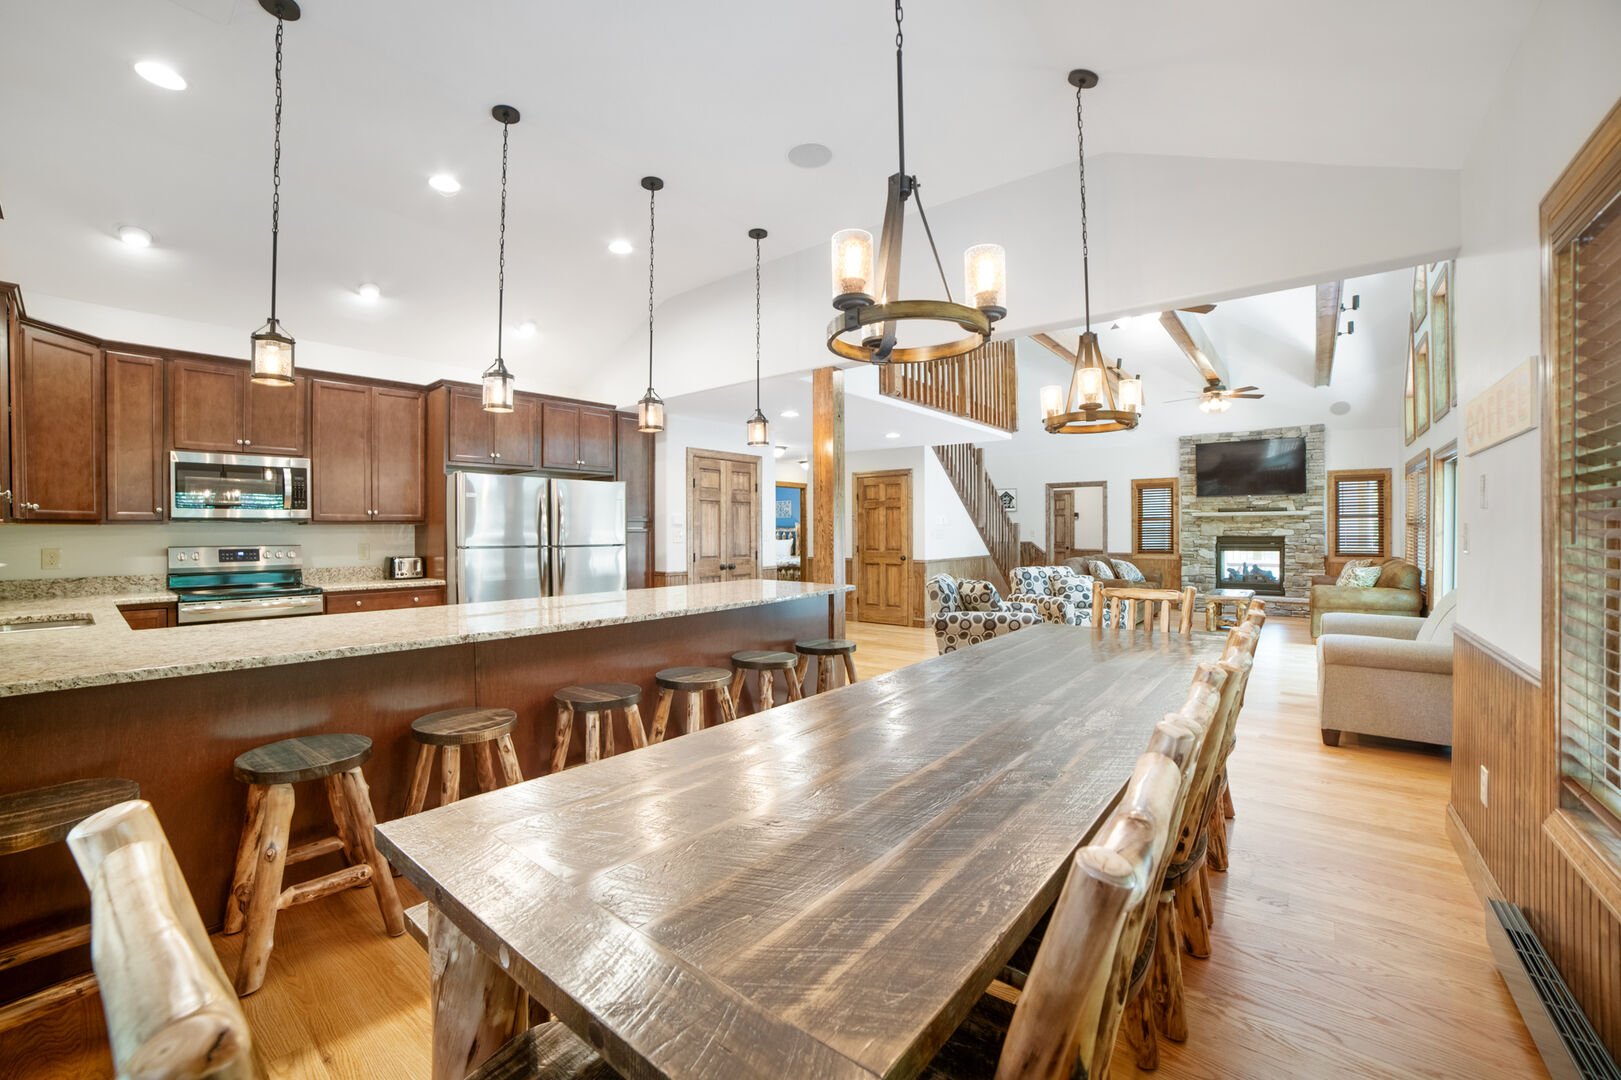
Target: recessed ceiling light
<point x="369" y="292"/>
<point x="135" y="236"/>
<point x="789" y="414"/>
<point x="892" y="434"/>
<point x="444" y="183"/>
<point x="527" y="328"/>
<point x="1340" y="408"/>
<point x="810" y="155"/>
<point x="158" y="73"/>
<point x="620" y="247"/>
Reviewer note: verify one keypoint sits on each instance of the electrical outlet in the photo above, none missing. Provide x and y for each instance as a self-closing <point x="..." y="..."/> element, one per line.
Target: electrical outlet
<point x="50" y="558"/>
<point x="365" y="551"/>
<point x="1484" y="777"/>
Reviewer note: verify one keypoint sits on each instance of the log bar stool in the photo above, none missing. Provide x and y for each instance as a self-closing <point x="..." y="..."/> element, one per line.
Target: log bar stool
<point x="256" y="893"/>
<point x="488" y="732"/>
<point x="825" y="649"/>
<point x="597" y="703"/>
<point x="32" y="819"/>
<point x="691" y="682"/>
<point x="765" y="663"/>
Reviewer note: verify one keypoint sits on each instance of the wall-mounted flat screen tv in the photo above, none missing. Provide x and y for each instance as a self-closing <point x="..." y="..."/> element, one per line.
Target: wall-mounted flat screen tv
<point x="1251" y="467"/>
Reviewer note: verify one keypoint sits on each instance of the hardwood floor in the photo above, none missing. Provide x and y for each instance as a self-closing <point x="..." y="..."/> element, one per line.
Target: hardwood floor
<point x="1348" y="942"/>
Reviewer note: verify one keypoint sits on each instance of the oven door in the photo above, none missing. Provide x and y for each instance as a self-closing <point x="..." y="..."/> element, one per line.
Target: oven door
<point x="270" y="607"/>
<point x="238" y="487"/>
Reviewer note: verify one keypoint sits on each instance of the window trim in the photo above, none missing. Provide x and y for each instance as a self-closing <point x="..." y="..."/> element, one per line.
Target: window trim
<point x="1439" y="460"/>
<point x="1422" y="459"/>
<point x="1175" y="487"/>
<point x="1384" y="476"/>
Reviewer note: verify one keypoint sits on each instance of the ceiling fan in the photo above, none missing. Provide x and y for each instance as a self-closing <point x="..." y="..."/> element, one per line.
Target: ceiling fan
<point x="1216" y="398"/>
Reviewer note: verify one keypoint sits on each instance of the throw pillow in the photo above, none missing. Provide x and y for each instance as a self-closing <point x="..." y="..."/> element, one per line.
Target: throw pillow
<point x="979" y="596"/>
<point x="1365" y="577"/>
<point x="1101" y="569"/>
<point x="1348" y="575"/>
<point x="1128" y="571"/>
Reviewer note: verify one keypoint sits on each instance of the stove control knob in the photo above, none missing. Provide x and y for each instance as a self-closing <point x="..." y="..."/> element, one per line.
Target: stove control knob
<point x="181" y="557"/>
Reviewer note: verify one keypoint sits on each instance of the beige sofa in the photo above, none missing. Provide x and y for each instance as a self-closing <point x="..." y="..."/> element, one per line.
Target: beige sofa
<point x="1396" y="593"/>
<point x="1387" y="675"/>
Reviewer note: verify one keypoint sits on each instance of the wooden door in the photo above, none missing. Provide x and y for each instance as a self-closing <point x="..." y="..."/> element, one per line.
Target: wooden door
<point x="706" y="519"/>
<point x="596" y="439"/>
<point x="560" y="436"/>
<point x="340" y="451"/>
<point x="135" y="460"/>
<point x="57" y="429"/>
<point x="1063" y="511"/>
<point x="741" y="539"/>
<point x="398" y="437"/>
<point x="205" y="405"/>
<point x="275" y="419"/>
<point x="883" y="547"/>
<point x="467" y="428"/>
<point x="512" y="435"/>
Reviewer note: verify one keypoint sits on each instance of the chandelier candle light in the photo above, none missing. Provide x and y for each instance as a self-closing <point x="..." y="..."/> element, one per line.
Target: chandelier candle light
<point x="866" y="330"/>
<point x="650" y="410"/>
<point x="759" y="427"/>
<point x="272" y="355"/>
<point x="1100" y="397"/>
<point x="497" y="379"/>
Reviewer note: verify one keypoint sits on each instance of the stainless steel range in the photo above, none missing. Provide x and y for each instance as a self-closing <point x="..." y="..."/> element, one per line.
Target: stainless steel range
<point x="219" y="584"/>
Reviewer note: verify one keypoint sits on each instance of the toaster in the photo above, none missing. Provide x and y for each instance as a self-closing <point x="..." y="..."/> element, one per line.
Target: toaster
<point x="403" y="566"/>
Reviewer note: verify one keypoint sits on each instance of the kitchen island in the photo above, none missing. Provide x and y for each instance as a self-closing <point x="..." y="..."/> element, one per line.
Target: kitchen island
<point x="171" y="708"/>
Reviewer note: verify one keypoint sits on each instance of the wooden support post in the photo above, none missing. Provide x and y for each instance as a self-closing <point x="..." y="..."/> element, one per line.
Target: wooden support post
<point x="827" y="489"/>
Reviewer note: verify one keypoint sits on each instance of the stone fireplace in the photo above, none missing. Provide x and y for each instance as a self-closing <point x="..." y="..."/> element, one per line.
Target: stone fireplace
<point x="1250" y="562"/>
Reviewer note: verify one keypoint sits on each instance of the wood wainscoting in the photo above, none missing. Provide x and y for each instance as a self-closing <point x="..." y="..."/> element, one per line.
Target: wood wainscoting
<point x="969" y="566"/>
<point x="1499" y="722"/>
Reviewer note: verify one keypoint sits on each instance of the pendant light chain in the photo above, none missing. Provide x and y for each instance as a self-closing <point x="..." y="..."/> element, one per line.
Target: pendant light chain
<point x="900" y="86"/>
<point x="501" y="272"/>
<point x="275" y="181"/>
<point x="1086" y="262"/>
<point x="757" y="324"/>
<point x="652" y="209"/>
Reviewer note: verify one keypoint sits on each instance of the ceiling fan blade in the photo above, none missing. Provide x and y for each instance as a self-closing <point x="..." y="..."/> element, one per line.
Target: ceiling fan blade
<point x="1199" y="309"/>
<point x="1249" y="396"/>
<point x="1175" y="400"/>
<point x="1241" y="390"/>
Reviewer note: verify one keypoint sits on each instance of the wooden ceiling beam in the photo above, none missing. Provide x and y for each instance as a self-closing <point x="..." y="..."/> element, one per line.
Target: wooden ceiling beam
<point x="1328" y="329"/>
<point x="1190" y="337"/>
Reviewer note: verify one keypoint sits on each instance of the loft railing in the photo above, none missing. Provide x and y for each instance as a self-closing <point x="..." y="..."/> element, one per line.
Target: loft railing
<point x="981" y="386"/>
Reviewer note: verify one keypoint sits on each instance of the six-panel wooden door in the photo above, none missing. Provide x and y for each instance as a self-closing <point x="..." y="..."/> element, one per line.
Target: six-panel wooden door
<point x="883" y="551"/>
<point x="723" y="516"/>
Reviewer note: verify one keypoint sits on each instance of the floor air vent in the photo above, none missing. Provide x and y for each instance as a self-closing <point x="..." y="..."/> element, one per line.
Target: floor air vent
<point x="1567" y="1042"/>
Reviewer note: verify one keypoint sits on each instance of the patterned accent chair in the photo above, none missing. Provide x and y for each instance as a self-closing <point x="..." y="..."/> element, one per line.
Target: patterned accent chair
<point x="970" y="611"/>
<point x="1059" y="594"/>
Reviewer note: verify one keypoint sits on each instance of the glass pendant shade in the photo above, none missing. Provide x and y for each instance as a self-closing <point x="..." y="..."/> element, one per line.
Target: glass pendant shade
<point x="650" y="413"/>
<point x="1089" y="384"/>
<point x="1052" y="400"/>
<point x="985" y="278"/>
<point x="497" y="387"/>
<point x="1129" y="393"/>
<point x="852" y="267"/>
<point x="272" y="356"/>
<point x="759" y="429"/>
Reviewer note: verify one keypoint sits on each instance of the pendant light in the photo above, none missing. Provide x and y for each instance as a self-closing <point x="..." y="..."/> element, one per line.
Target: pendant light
<point x="272" y="347"/>
<point x="1099" y="398"/>
<point x="497" y="379"/>
<point x="650" y="410"/>
<point x="865" y="330"/>
<point x="759" y="427"/>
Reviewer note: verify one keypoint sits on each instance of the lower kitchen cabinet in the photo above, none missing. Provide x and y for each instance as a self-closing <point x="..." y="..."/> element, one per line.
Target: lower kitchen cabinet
<point x="149" y="616"/>
<point x="384" y="599"/>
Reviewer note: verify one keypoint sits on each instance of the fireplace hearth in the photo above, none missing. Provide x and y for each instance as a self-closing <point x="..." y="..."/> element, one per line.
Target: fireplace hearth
<point x="1251" y="562"/>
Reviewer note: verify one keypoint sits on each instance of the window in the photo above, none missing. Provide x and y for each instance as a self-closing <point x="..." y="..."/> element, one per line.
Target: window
<point x="1446" y="519"/>
<point x="1359" y="513"/>
<point x="1154" y="516"/>
<point x="1416" y="546"/>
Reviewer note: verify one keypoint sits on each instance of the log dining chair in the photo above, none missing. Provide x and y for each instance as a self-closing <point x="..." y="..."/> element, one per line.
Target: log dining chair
<point x="1218" y="855"/>
<point x="171" y="1012"/>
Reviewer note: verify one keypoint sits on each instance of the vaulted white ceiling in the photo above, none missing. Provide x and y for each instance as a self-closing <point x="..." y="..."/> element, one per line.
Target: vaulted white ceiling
<point x="382" y="93"/>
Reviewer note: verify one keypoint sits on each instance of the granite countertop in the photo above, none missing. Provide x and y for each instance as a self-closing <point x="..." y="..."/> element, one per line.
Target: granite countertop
<point x="110" y="652"/>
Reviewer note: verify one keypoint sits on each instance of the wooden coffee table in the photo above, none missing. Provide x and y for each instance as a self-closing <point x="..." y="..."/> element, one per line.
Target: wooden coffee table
<point x="1215" y="599"/>
<point x="1112" y="597"/>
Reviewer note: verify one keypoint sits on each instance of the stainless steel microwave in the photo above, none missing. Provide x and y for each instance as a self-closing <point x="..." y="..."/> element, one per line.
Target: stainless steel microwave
<point x="238" y="487"/>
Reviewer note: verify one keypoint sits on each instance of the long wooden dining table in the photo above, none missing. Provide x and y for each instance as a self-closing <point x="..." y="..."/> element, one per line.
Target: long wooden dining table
<point x="821" y="890"/>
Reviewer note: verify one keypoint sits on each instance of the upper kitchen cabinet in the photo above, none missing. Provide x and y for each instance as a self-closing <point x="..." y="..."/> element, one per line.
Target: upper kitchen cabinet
<point x="367" y="459"/>
<point x="57" y="428"/>
<point x="487" y="439"/>
<point x="214" y="407"/>
<point x="576" y="438"/>
<point x="136" y="478"/>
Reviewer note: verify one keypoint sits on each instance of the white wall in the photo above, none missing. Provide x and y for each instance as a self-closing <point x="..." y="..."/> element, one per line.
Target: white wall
<point x="670" y="486"/>
<point x="1553" y="94"/>
<point x="118" y="550"/>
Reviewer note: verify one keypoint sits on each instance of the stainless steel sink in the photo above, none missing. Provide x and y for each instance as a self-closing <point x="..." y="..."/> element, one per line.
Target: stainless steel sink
<point x="59" y="622"/>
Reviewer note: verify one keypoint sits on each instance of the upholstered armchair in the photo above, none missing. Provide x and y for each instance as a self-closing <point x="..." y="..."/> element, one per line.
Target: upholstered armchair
<point x="1395" y="593"/>
<point x="1388" y="675"/>
<point x="970" y="611"/>
<point x="1059" y="594"/>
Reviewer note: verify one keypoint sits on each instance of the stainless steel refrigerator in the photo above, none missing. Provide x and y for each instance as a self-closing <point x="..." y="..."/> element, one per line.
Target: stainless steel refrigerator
<point x="519" y="537"/>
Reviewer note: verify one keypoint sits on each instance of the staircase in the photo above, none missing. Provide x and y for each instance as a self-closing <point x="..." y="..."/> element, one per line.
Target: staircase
<point x="965" y="465"/>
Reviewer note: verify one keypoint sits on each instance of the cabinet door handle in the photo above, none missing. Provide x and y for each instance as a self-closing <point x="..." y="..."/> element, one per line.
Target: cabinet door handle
<point x="6" y="494"/>
<point x="357" y="603"/>
<point x="416" y="599"/>
<point x="31" y="506"/>
<point x="247" y="442"/>
<point x="157" y="509"/>
<point x="498" y="457"/>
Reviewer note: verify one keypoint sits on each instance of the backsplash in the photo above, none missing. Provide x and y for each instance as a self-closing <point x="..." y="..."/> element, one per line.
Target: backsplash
<point x="141" y="551"/>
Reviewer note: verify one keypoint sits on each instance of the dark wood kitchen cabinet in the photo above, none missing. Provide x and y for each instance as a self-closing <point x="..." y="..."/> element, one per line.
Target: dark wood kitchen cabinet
<point x="215" y="408"/>
<point x="137" y="481"/>
<point x="58" y="429"/>
<point x="366" y="459"/>
<point x="486" y="439"/>
<point x="634" y="468"/>
<point x="576" y="438"/>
